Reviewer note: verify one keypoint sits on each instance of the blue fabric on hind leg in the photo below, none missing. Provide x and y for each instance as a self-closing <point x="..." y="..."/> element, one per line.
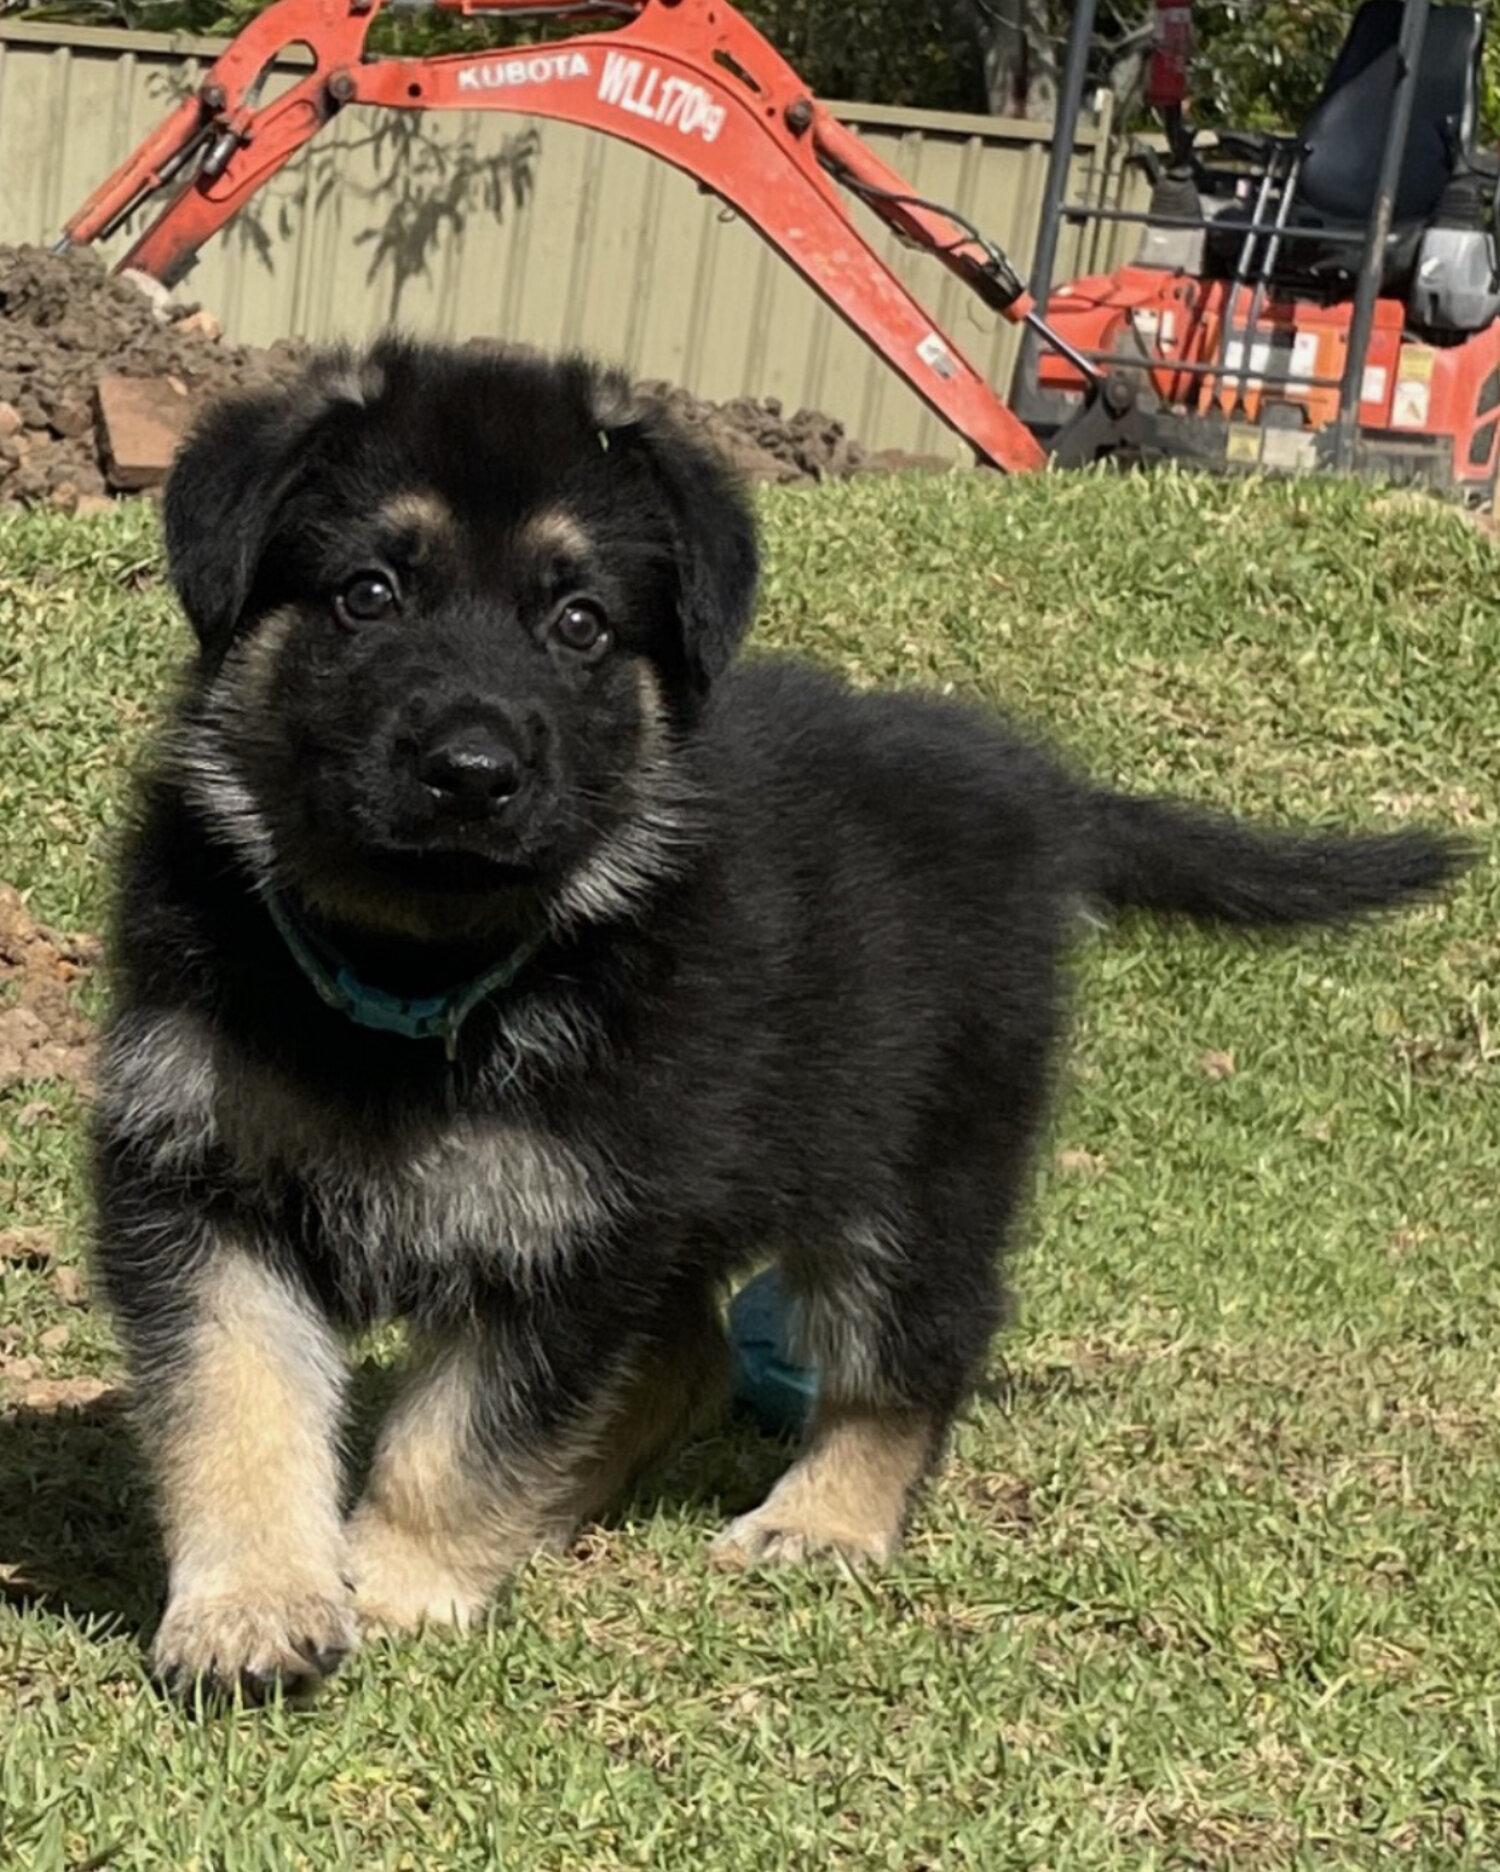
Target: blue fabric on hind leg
<point x="768" y="1381"/>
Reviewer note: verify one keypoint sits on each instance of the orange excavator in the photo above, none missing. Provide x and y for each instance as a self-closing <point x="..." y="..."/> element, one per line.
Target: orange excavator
<point x="1328" y="298"/>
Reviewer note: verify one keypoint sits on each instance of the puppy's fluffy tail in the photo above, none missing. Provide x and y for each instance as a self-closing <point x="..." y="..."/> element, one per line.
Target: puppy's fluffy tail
<point x="1161" y="856"/>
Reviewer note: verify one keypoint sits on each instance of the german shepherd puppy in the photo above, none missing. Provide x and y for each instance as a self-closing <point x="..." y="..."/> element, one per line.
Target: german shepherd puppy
<point x="494" y="954"/>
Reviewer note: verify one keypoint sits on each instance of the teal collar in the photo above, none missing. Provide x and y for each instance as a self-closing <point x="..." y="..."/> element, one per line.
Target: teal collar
<point x="430" y="1017"/>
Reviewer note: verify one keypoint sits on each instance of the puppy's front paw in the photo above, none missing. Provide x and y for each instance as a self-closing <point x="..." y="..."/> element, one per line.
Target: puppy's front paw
<point x="400" y="1583"/>
<point x="777" y="1534"/>
<point x="251" y="1643"/>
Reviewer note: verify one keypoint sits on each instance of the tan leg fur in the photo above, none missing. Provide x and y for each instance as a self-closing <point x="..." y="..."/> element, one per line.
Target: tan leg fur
<point x="243" y="1438"/>
<point x="440" y="1527"/>
<point x="847" y="1493"/>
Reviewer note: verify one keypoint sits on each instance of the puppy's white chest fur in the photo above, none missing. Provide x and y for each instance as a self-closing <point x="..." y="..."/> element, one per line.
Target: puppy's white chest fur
<point x="459" y="1188"/>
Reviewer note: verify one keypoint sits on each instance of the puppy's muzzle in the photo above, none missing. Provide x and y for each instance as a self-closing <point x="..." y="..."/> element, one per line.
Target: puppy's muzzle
<point x="475" y="767"/>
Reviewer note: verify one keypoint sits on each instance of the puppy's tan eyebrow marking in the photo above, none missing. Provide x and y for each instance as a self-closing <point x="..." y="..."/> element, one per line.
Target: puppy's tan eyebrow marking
<point x="424" y="516"/>
<point x="555" y="533"/>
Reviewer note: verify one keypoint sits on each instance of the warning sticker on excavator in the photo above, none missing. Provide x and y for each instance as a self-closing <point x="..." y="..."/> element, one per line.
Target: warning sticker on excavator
<point x="1260" y="357"/>
<point x="1288" y="451"/>
<point x="936" y="356"/>
<point x="1410" y="404"/>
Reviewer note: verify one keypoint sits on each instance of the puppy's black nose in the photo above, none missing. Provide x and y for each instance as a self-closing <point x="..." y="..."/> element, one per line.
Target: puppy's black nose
<point x="471" y="770"/>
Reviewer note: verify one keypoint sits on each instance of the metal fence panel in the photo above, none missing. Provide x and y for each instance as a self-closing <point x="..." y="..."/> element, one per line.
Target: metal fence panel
<point x="453" y="225"/>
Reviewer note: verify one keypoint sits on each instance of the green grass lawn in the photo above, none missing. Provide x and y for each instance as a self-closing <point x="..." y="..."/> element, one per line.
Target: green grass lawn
<point x="1212" y="1575"/>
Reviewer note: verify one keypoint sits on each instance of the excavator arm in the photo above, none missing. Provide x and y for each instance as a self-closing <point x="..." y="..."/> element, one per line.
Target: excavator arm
<point x="691" y="81"/>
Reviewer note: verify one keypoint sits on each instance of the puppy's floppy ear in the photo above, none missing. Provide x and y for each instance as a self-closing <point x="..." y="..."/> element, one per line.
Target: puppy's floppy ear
<point x="226" y="485"/>
<point x="713" y="527"/>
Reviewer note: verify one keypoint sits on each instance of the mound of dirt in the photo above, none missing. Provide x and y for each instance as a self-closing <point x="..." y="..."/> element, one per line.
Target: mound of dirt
<point x="42" y="1033"/>
<point x="762" y="443"/>
<point x="65" y="323"/>
<point x="69" y="331"/>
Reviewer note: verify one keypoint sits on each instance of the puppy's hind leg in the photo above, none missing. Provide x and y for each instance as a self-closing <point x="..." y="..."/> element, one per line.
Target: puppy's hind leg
<point x="848" y="1492"/>
<point x="896" y="1323"/>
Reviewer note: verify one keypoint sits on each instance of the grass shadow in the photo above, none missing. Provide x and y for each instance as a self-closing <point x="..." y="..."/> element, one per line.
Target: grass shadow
<point x="731" y="1463"/>
<point x="77" y="1535"/>
<point x="724" y="1469"/>
<point x="78" y="1531"/>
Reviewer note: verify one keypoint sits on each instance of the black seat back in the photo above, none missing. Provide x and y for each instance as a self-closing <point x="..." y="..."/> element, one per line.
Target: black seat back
<point x="1344" y="135"/>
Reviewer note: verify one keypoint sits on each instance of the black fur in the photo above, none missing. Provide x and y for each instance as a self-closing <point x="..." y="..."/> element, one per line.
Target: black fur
<point x="815" y="1020"/>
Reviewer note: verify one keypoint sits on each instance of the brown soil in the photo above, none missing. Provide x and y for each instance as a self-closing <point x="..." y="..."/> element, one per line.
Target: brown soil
<point x="65" y="322"/>
<point x="43" y="1036"/>
<point x="44" y="1039"/>
<point x="764" y="444"/>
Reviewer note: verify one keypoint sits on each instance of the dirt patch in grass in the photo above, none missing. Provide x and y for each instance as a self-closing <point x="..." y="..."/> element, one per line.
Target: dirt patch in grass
<point x="43" y="1034"/>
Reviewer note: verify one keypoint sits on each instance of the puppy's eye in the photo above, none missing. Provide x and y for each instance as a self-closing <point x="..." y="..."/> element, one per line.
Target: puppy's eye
<point x="367" y="598"/>
<point x="580" y="626"/>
